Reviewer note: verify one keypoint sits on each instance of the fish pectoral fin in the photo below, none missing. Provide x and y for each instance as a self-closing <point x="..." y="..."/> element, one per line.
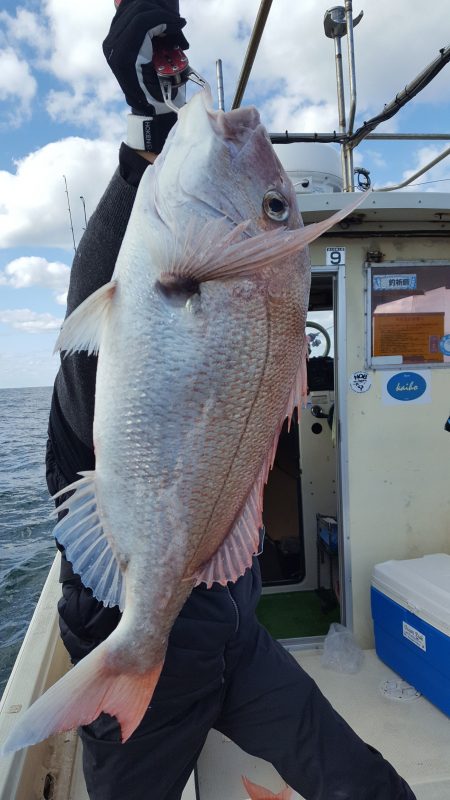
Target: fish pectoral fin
<point x="216" y="253"/>
<point x="81" y="534"/>
<point x="82" y="330"/>
<point x="235" y="553"/>
<point x="256" y="792"/>
<point x="78" y="698"/>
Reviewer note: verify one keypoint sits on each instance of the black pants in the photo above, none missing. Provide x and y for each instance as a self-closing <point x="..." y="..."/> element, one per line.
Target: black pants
<point x="245" y="685"/>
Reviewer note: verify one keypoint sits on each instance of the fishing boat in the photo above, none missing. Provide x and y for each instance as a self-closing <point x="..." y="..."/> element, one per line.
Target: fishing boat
<point x="359" y="489"/>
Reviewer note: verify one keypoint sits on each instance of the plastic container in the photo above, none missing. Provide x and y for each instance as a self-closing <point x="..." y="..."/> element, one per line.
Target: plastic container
<point x="411" y="614"/>
<point x="328" y="532"/>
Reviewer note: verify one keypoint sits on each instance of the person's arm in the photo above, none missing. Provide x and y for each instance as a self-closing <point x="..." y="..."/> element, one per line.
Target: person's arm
<point x="84" y="622"/>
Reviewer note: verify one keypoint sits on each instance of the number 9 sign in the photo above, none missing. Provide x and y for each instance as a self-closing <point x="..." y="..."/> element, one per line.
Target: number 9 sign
<point x="335" y="256"/>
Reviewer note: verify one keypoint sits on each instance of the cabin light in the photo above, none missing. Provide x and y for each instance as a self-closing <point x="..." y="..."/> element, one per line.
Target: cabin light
<point x="375" y="256"/>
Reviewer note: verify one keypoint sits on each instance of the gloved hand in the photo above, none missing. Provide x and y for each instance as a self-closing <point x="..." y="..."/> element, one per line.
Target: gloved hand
<point x="128" y="50"/>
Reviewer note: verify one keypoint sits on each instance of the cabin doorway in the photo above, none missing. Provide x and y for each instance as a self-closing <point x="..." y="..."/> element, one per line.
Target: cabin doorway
<point x="300" y="556"/>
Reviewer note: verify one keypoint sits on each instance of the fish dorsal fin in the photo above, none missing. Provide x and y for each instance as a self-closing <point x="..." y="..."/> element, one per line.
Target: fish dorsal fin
<point x="81" y="534"/>
<point x="82" y="330"/>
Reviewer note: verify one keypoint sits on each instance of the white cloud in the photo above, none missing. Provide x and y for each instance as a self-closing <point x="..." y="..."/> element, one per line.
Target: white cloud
<point x="27" y="271"/>
<point x="436" y="179"/>
<point x="25" y="320"/>
<point x="294" y="49"/>
<point x="77" y="31"/>
<point x="438" y="174"/>
<point x="33" y="202"/>
<point x="26" y="27"/>
<point x="16" y="83"/>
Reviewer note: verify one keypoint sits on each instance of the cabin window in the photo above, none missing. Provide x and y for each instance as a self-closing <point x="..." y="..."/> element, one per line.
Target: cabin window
<point x="408" y="313"/>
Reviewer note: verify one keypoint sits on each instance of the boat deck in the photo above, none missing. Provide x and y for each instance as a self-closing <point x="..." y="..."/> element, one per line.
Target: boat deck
<point x="411" y="733"/>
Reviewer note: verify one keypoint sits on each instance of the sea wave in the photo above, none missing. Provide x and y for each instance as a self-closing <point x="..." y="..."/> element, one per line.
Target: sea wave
<point x="27" y="546"/>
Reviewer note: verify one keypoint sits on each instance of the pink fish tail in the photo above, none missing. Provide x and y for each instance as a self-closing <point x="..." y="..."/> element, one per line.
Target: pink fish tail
<point x="80" y="697"/>
<point x="256" y="792"/>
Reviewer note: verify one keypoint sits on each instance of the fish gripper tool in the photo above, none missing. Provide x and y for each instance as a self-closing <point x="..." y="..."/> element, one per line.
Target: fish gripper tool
<point x="173" y="69"/>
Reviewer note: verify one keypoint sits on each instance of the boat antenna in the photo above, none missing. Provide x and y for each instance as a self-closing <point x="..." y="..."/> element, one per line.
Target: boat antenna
<point x="70" y="214"/>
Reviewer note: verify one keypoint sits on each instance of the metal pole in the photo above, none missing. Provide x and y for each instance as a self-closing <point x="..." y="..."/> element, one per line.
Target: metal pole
<point x="351" y="64"/>
<point x="348" y="150"/>
<point x="415" y="136"/>
<point x="219" y="77"/>
<point x="84" y="209"/>
<point x="341" y="105"/>
<point x="286" y="137"/>
<point x="252" y="49"/>
<point x="70" y="215"/>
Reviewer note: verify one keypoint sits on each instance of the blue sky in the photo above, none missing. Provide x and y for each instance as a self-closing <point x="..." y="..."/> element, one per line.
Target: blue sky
<point x="63" y="114"/>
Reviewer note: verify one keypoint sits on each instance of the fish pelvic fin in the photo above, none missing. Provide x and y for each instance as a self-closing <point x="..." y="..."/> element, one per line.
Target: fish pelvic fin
<point x="82" y="330"/>
<point x="78" y="698"/>
<point x="256" y="792"/>
<point x="81" y="534"/>
<point x="218" y="253"/>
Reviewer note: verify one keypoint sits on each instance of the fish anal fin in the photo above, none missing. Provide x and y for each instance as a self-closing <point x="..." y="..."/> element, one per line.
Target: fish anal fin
<point x="82" y="330"/>
<point x="235" y="553"/>
<point x="78" y="698"/>
<point x="256" y="792"/>
<point x="81" y="534"/>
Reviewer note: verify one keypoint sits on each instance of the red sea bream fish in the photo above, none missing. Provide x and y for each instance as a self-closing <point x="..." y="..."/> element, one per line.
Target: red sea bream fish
<point x="201" y="356"/>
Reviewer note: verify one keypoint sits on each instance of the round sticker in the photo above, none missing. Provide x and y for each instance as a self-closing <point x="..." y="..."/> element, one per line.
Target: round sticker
<point x="360" y="382"/>
<point x="406" y="386"/>
<point x="444" y="345"/>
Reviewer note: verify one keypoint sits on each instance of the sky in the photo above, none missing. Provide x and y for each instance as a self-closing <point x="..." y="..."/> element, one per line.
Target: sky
<point x="62" y="117"/>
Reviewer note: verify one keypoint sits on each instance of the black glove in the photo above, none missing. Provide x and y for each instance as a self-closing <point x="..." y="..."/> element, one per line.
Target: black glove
<point x="128" y="51"/>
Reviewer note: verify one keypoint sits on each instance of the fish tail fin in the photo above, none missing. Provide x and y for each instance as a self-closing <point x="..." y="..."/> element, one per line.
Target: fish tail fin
<point x="80" y="697"/>
<point x="256" y="792"/>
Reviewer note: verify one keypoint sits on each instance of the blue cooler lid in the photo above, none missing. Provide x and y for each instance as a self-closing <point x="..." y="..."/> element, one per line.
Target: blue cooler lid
<point x="422" y="585"/>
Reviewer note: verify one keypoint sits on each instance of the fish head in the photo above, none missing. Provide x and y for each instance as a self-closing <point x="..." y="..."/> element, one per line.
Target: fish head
<point x="220" y="164"/>
<point x="217" y="185"/>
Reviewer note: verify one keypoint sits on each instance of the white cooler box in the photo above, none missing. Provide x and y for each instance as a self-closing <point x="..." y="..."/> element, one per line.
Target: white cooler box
<point x="411" y="614"/>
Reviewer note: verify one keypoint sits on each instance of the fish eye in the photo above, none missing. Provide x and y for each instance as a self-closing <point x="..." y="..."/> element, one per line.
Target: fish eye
<point x="275" y="206"/>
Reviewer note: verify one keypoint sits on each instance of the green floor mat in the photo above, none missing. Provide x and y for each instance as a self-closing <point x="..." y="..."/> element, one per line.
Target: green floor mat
<point x="294" y="614"/>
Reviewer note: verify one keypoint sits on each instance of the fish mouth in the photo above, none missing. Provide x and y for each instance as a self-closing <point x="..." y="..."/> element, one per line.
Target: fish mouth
<point x="235" y="127"/>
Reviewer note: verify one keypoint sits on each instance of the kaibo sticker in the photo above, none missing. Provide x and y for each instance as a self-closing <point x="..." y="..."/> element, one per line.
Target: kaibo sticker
<point x="414" y="636"/>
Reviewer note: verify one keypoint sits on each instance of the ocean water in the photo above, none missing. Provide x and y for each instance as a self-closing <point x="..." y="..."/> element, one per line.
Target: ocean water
<point x="27" y="546"/>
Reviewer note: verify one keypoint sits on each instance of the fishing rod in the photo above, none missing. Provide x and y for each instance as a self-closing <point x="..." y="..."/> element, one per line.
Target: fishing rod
<point x="252" y="49"/>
